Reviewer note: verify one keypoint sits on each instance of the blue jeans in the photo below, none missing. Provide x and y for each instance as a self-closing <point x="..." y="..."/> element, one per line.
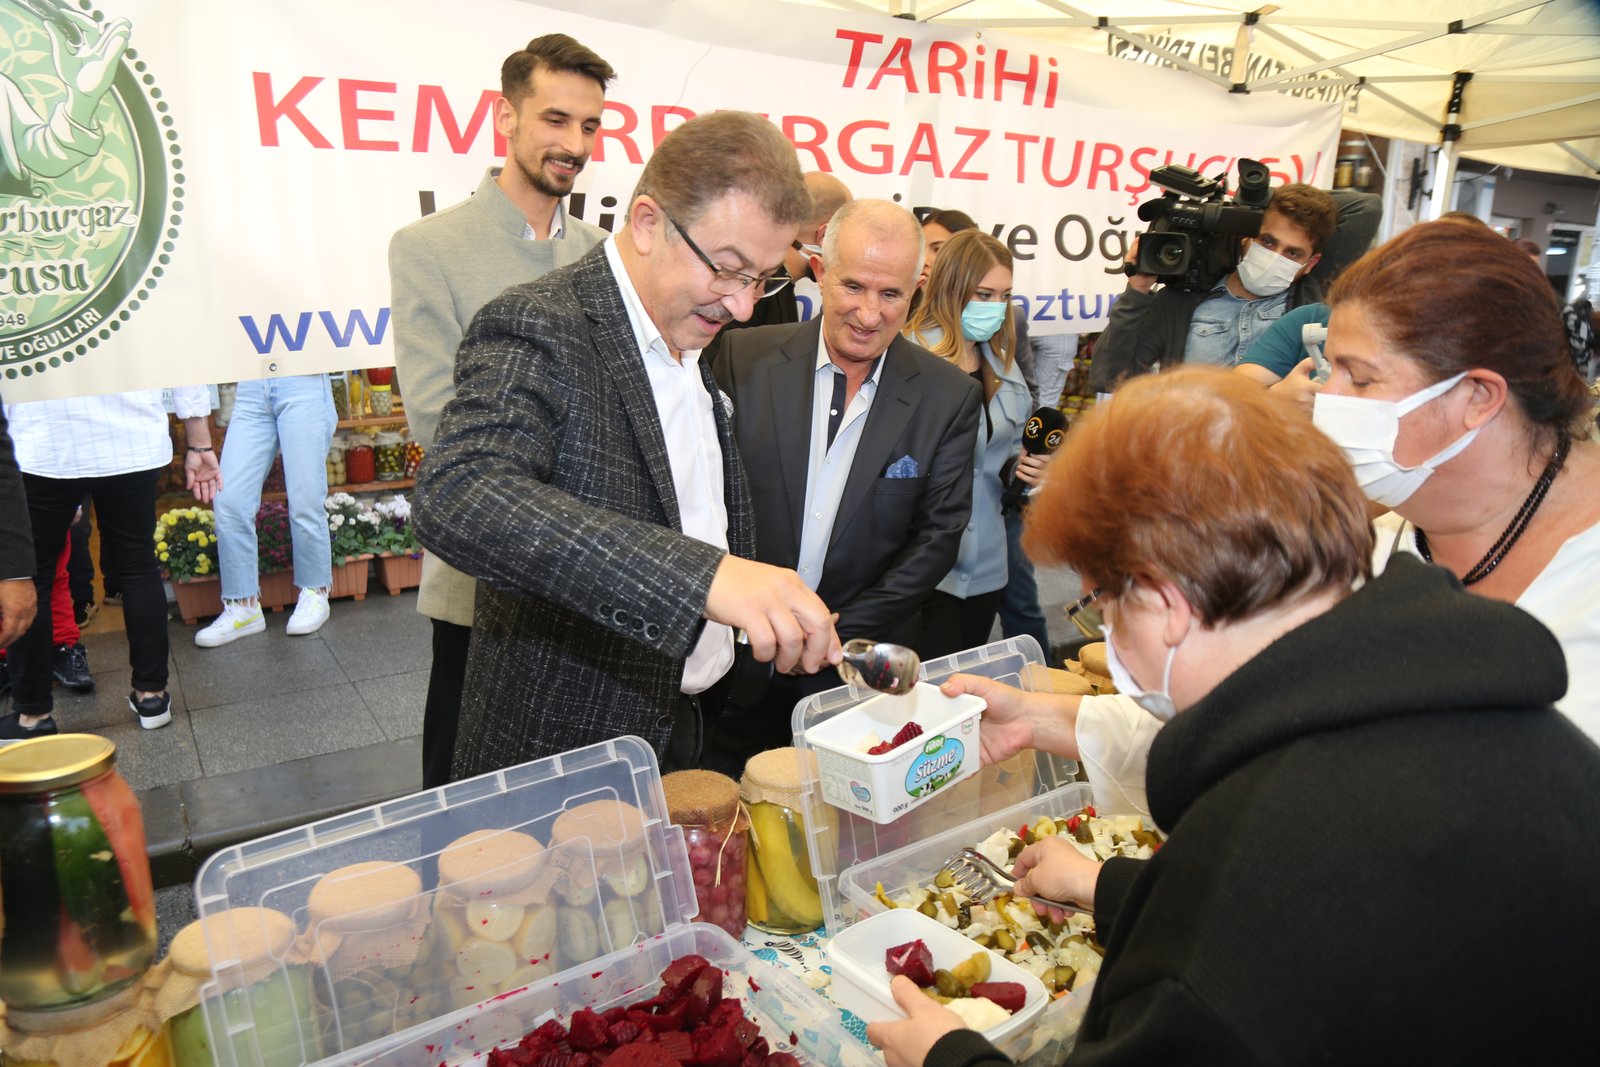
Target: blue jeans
<point x="1019" y="606"/>
<point x="295" y="414"/>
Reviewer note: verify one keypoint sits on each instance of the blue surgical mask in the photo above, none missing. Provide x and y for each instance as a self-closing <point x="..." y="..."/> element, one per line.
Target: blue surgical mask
<point x="981" y="319"/>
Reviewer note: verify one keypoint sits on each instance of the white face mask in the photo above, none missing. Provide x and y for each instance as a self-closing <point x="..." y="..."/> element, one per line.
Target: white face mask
<point x="1158" y="704"/>
<point x="1366" y="429"/>
<point x="1264" y="272"/>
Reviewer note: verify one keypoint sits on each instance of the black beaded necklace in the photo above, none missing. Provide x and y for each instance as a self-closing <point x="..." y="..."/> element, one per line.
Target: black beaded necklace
<point x="1519" y="524"/>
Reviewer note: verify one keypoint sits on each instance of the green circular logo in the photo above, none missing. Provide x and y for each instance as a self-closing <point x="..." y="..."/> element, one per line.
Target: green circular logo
<point x="91" y="184"/>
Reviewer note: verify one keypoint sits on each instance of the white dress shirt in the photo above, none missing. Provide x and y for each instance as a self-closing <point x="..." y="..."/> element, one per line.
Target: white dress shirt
<point x="558" y="224"/>
<point x="828" y="466"/>
<point x="695" y="455"/>
<point x="97" y="436"/>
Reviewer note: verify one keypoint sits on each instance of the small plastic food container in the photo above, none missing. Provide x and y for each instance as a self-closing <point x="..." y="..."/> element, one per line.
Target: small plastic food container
<point x="706" y="804"/>
<point x="884" y="787"/>
<point x="861" y="983"/>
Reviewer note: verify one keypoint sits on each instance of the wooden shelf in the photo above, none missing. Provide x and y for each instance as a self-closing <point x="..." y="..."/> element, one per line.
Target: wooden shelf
<point x="397" y="419"/>
<point x="350" y="487"/>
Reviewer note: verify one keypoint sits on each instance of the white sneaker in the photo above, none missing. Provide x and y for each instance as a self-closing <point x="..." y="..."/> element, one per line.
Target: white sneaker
<point x="310" y="612"/>
<point x="237" y="620"/>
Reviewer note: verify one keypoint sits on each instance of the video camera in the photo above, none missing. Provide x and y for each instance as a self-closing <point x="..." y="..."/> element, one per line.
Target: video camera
<point x="1193" y="238"/>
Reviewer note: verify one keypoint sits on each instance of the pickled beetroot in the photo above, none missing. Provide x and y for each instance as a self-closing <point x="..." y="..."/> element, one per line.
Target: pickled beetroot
<point x="1009" y="995"/>
<point x="689" y="1023"/>
<point x="911" y="959"/>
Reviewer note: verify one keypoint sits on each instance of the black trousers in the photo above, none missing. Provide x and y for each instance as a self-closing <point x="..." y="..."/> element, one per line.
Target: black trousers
<point x="741" y="731"/>
<point x="951" y="624"/>
<point x="125" y="508"/>
<point x="442" y="713"/>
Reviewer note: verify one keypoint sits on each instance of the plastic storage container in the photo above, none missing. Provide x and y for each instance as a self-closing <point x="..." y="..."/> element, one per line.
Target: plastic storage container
<point x="280" y="871"/>
<point x="79" y="920"/>
<point x="781" y="897"/>
<point x="706" y="804"/>
<point x="861" y="984"/>
<point x="837" y="839"/>
<point x="886" y="786"/>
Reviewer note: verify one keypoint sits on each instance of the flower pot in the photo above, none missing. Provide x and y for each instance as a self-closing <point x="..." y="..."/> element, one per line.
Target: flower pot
<point x="400" y="572"/>
<point x="198" y="598"/>
<point x="278" y="591"/>
<point x="350" y="579"/>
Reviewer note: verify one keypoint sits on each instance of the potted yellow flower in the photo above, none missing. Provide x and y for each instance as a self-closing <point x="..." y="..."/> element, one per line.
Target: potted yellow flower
<point x="185" y="545"/>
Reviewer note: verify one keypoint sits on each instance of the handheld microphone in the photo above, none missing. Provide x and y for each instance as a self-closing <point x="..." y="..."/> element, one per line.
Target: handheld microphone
<point x="1043" y="434"/>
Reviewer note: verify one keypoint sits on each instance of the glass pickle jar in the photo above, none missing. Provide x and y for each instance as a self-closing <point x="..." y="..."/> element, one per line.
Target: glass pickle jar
<point x="414" y="454"/>
<point x="605" y="883"/>
<point x="494" y="922"/>
<point x="381" y="398"/>
<point x="107" y="1033"/>
<point x="341" y="395"/>
<point x="368" y="926"/>
<point x="706" y="805"/>
<point x="79" y="916"/>
<point x="359" y="462"/>
<point x="781" y="895"/>
<point x="337" y="472"/>
<point x="259" y="980"/>
<point x="389" y="456"/>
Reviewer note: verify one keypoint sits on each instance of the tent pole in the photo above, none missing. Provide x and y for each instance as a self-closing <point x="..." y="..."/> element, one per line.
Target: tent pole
<point x="1444" y="180"/>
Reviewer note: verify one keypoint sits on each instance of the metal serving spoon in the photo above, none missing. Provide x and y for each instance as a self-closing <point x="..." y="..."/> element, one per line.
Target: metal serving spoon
<point x="879" y="665"/>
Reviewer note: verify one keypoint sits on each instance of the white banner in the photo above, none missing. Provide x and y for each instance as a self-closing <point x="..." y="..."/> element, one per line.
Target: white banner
<point x="224" y="212"/>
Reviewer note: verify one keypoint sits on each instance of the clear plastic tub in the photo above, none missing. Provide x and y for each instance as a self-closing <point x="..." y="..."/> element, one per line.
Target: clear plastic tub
<point x="861" y="984"/>
<point x="838" y="839"/>
<point x="791" y="1016"/>
<point x="280" y="871"/>
<point x="887" y="786"/>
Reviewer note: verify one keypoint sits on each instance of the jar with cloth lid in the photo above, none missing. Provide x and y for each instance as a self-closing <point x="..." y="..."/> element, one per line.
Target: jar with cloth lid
<point x="77" y="908"/>
<point x="389" y="456"/>
<point x="250" y="953"/>
<point x="115" y="1032"/>
<point x="605" y="882"/>
<point x="706" y="804"/>
<point x="781" y="896"/>
<point x="360" y="464"/>
<point x="368" y="925"/>
<point x="494" y="919"/>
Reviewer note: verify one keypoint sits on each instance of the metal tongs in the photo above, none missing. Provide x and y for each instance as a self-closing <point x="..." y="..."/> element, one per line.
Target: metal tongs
<point x="982" y="879"/>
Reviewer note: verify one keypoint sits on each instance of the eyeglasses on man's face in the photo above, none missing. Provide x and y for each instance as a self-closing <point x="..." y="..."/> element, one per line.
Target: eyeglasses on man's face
<point x="725" y="282"/>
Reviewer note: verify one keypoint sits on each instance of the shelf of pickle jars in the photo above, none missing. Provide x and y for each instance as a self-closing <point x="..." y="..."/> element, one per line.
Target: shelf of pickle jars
<point x="373" y="421"/>
<point x="354" y="488"/>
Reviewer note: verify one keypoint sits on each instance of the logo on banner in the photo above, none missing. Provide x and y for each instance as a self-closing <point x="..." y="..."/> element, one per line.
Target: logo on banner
<point x="90" y="183"/>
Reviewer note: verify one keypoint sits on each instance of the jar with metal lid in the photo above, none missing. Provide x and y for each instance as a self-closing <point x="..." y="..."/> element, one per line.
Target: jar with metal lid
<point x="360" y="463"/>
<point x="389" y="456"/>
<point x="706" y="804"/>
<point x="341" y="395"/>
<point x="781" y="895"/>
<point x="494" y="917"/>
<point x="369" y="922"/>
<point x="114" y="1032"/>
<point x="77" y="909"/>
<point x="248" y="953"/>
<point x="605" y="882"/>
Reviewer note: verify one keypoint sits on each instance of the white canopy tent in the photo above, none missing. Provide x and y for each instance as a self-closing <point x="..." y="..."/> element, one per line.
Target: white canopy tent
<point x="1512" y="83"/>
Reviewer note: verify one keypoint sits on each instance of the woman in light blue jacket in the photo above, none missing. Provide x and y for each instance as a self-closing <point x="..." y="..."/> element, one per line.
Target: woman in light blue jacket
<point x="965" y="317"/>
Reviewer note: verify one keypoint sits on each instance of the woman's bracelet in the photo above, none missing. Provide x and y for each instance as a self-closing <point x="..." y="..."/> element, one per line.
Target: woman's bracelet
<point x="202" y="448"/>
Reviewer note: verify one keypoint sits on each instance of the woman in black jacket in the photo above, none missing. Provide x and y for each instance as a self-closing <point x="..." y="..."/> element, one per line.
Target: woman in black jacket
<point x="1382" y="837"/>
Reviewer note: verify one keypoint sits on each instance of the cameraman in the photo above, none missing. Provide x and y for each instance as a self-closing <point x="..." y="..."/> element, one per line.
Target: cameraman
<point x="1148" y="330"/>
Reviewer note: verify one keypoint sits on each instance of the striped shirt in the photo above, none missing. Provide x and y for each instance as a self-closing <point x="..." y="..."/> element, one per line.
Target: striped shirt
<point x="95" y="436"/>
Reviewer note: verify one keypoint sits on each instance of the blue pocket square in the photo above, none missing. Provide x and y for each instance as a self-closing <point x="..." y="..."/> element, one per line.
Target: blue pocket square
<point x="904" y="467"/>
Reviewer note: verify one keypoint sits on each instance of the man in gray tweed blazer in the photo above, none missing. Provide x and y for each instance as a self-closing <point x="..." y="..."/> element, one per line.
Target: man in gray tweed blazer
<point x="586" y="472"/>
<point x="444" y="267"/>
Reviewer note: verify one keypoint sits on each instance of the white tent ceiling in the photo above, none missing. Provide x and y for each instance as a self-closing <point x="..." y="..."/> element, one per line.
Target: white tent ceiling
<point x="1532" y="100"/>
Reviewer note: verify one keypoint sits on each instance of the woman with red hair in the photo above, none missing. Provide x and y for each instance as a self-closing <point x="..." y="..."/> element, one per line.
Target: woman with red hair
<point x="1334" y="855"/>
